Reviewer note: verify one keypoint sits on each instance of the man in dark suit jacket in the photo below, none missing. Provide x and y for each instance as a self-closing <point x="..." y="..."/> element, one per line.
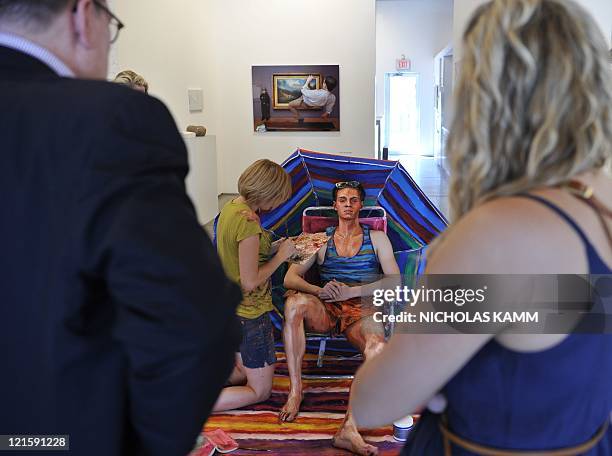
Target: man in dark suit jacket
<point x="117" y="323"/>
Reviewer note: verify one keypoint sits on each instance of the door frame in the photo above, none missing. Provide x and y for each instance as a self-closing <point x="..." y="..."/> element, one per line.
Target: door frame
<point x="438" y="142"/>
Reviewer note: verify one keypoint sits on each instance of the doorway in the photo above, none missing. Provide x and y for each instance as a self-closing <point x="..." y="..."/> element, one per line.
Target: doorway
<point x="402" y="116"/>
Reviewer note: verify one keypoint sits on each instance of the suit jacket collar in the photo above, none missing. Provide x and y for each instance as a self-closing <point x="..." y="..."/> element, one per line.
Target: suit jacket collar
<point x="17" y="64"/>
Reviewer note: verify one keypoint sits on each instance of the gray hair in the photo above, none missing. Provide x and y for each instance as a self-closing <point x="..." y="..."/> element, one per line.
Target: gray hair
<point x="32" y="12"/>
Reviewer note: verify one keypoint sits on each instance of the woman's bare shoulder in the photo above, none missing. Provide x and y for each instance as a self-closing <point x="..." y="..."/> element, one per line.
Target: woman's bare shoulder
<point x="505" y="235"/>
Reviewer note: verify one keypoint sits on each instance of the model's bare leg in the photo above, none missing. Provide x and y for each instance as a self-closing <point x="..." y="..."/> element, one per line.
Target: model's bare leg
<point x="368" y="336"/>
<point x="301" y="310"/>
<point x="257" y="389"/>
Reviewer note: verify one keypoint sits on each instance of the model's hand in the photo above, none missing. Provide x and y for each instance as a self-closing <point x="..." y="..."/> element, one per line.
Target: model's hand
<point x="325" y="115"/>
<point x="334" y="291"/>
<point x="329" y="291"/>
<point x="344" y="294"/>
<point x="286" y="249"/>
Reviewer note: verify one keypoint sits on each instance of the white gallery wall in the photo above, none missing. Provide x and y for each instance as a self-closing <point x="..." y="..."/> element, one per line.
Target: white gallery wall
<point x="419" y="29"/>
<point x="167" y="43"/>
<point x="291" y="32"/>
<point x="212" y="44"/>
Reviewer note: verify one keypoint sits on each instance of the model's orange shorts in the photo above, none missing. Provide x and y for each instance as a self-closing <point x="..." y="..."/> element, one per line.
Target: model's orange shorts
<point x="345" y="313"/>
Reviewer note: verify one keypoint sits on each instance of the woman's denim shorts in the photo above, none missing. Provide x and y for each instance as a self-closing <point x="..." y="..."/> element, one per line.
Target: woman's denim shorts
<point x="257" y="346"/>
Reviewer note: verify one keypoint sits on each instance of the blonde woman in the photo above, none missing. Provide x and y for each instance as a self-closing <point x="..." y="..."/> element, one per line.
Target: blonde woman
<point x="531" y="193"/>
<point x="249" y="259"/>
<point x="133" y="80"/>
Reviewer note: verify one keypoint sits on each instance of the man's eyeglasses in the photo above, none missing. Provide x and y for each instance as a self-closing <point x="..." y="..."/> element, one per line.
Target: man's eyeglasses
<point x="348" y="184"/>
<point x="115" y="24"/>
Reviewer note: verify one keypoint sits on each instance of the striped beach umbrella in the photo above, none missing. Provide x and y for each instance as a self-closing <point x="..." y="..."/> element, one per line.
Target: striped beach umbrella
<point x="413" y="221"/>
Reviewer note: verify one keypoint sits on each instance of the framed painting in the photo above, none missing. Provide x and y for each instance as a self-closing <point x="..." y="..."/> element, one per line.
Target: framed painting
<point x="274" y="87"/>
<point x="288" y="87"/>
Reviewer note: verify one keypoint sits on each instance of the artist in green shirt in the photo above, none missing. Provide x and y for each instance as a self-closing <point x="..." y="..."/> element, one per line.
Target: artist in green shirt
<point x="249" y="258"/>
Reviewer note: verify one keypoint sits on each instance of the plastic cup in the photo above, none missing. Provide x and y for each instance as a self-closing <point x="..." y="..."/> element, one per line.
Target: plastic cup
<point x="402" y="428"/>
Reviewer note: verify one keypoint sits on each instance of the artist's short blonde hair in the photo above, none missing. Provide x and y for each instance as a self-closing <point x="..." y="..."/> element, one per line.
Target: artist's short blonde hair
<point x="265" y="182"/>
<point x="132" y="79"/>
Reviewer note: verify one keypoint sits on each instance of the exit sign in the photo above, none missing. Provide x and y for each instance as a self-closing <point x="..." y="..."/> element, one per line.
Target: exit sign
<point x="402" y="64"/>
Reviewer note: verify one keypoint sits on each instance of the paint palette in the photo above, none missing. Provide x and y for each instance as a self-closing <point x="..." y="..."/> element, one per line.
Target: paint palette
<point x="307" y="244"/>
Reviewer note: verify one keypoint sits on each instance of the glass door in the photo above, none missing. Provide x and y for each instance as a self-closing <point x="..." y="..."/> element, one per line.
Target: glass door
<point x="402" y="117"/>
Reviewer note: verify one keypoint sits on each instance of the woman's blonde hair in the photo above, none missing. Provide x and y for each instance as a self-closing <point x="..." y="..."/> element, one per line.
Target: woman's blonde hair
<point x="265" y="182"/>
<point x="132" y="79"/>
<point x="534" y="103"/>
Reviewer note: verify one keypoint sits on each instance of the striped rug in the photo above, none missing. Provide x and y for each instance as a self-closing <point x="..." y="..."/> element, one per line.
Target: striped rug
<point x="322" y="412"/>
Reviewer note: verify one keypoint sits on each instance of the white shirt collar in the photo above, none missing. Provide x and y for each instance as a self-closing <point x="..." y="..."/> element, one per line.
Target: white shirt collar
<point x="25" y="46"/>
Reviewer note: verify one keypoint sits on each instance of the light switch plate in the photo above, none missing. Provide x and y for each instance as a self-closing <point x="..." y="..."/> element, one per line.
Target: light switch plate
<point x="196" y="99"/>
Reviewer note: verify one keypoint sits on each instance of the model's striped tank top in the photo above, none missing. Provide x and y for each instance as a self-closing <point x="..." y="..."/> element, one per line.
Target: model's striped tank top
<point x="361" y="268"/>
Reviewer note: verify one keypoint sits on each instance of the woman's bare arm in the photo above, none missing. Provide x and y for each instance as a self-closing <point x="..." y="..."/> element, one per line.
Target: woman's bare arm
<point x="252" y="274"/>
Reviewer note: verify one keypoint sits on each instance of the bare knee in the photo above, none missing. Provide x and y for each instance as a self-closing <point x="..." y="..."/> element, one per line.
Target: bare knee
<point x="295" y="308"/>
<point x="373" y="347"/>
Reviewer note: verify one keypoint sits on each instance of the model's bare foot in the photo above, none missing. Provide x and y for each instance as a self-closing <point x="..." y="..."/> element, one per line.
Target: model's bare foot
<point x="292" y="407"/>
<point x="349" y="439"/>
